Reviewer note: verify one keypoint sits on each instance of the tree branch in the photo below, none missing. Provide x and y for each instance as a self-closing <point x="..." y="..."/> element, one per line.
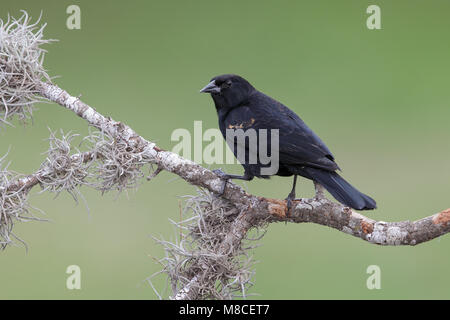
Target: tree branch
<point x="24" y="79"/>
<point x="255" y="209"/>
<point x="320" y="211"/>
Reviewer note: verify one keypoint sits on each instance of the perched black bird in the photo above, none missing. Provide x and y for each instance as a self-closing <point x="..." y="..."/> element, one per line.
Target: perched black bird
<point x="301" y="152"/>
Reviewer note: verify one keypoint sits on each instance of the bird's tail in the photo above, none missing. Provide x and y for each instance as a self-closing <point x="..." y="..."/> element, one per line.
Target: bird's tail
<point x="343" y="191"/>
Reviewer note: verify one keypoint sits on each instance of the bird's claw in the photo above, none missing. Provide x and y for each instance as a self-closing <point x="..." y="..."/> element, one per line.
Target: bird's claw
<point x="320" y="192"/>
<point x="288" y="207"/>
<point x="289" y="204"/>
<point x="222" y="175"/>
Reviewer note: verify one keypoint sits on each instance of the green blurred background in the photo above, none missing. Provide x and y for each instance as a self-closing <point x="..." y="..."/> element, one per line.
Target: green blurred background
<point x="379" y="98"/>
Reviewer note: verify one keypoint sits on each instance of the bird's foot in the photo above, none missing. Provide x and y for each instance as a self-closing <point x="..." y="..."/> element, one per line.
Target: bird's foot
<point x="225" y="177"/>
<point x="320" y="191"/>
<point x="290" y="203"/>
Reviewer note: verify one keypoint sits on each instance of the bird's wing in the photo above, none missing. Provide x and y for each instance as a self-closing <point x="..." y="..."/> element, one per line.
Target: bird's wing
<point x="298" y="144"/>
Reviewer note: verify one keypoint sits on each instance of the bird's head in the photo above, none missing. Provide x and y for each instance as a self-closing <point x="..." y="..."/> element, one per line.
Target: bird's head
<point x="228" y="90"/>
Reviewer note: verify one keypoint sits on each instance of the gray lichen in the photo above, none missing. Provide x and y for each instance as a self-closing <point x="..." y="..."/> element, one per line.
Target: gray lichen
<point x="21" y="66"/>
<point x="197" y="251"/>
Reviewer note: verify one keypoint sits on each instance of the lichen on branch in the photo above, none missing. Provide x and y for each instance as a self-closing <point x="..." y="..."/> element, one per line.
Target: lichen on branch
<point x="210" y="261"/>
<point x="21" y="66"/>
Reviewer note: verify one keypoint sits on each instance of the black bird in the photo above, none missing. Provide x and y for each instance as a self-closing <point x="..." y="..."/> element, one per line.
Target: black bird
<point x="301" y="152"/>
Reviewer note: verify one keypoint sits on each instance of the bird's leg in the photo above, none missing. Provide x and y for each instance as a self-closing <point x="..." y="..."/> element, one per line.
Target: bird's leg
<point x="225" y="177"/>
<point x="319" y="191"/>
<point x="291" y="196"/>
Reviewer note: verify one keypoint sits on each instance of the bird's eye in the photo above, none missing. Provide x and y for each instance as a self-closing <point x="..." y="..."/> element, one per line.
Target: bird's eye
<point x="227" y="84"/>
<point x="223" y="84"/>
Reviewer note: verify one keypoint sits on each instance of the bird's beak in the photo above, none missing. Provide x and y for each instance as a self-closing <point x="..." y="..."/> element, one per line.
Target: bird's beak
<point x="211" y="88"/>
